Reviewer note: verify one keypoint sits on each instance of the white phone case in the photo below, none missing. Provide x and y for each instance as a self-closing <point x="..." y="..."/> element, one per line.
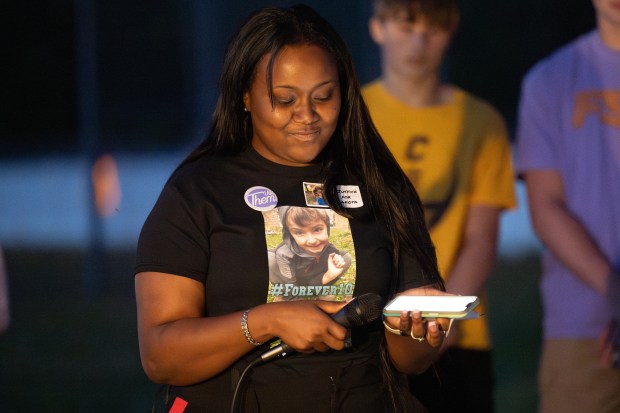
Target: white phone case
<point x="444" y="306"/>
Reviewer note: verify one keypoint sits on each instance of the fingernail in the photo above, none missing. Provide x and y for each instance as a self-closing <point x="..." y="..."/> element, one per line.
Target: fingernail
<point x="432" y="325"/>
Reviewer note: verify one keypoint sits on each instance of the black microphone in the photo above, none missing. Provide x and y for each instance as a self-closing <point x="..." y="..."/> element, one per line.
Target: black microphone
<point x="361" y="310"/>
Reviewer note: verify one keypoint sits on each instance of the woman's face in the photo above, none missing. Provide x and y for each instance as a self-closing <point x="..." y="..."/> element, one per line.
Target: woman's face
<point x="306" y="94"/>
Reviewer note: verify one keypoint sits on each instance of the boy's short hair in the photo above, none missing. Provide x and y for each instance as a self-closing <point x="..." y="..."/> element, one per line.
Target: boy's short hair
<point x="442" y="13"/>
<point x="305" y="216"/>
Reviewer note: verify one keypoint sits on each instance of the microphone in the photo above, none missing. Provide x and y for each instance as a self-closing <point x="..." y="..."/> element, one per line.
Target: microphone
<point x="361" y="310"/>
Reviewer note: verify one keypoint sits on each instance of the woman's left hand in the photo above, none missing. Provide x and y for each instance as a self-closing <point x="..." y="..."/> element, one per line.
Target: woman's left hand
<point x="432" y="330"/>
<point x="417" y="341"/>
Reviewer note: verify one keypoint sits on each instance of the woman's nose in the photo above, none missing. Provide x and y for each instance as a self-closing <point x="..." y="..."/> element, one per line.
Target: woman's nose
<point x="305" y="113"/>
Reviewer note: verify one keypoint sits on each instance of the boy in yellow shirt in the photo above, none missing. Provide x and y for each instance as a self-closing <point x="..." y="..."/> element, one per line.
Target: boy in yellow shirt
<point x="454" y="148"/>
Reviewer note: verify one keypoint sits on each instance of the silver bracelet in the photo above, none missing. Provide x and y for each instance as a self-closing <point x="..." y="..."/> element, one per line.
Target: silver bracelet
<point x="246" y="330"/>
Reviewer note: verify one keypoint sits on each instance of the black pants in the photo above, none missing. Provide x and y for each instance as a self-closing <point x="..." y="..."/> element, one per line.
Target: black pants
<point x="460" y="381"/>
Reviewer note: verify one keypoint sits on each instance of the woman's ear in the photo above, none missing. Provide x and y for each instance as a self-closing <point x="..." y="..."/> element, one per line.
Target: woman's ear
<point x="246" y="100"/>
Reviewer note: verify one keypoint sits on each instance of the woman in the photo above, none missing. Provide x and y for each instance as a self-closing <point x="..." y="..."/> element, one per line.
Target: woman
<point x="289" y="113"/>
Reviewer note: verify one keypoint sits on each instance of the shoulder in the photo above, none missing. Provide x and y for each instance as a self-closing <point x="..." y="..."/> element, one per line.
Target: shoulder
<point x="186" y="175"/>
<point x="554" y="66"/>
<point x="372" y="90"/>
<point x="205" y="168"/>
<point x="479" y="110"/>
<point x="283" y="250"/>
<point x="190" y="167"/>
<point x="477" y="103"/>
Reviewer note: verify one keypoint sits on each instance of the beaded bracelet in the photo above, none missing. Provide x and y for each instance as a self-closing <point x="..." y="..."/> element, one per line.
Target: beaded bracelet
<point x="246" y="330"/>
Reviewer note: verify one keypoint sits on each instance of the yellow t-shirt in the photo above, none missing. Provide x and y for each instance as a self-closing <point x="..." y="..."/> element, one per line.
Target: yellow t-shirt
<point x="456" y="154"/>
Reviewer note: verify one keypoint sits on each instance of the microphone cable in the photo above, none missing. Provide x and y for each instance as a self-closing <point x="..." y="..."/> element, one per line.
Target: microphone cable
<point x="360" y="310"/>
<point x="240" y="381"/>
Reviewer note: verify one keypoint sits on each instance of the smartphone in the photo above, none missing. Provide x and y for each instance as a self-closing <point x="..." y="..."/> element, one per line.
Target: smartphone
<point x="444" y="306"/>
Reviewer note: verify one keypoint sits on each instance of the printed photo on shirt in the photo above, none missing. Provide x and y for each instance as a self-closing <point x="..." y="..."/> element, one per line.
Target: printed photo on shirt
<point x="311" y="254"/>
<point x="314" y="194"/>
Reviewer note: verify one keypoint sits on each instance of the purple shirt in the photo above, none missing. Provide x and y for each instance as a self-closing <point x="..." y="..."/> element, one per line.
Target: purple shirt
<point x="569" y="121"/>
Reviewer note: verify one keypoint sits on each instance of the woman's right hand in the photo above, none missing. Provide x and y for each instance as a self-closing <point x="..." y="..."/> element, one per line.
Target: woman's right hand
<point x="304" y="325"/>
<point x="179" y="346"/>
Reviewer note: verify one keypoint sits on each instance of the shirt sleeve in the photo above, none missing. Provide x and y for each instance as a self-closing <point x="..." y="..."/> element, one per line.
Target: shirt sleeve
<point x="173" y="238"/>
<point x="536" y="146"/>
<point x="492" y="180"/>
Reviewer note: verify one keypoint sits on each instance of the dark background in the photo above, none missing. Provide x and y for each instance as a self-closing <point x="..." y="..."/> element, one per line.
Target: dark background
<point x="154" y="77"/>
<point x="86" y="77"/>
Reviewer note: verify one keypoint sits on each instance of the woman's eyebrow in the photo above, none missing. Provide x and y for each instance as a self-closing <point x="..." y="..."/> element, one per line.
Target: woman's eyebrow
<point x="295" y="87"/>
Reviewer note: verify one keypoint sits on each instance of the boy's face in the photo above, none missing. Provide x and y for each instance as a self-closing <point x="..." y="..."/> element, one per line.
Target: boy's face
<point x="313" y="237"/>
<point x="607" y="12"/>
<point x="412" y="50"/>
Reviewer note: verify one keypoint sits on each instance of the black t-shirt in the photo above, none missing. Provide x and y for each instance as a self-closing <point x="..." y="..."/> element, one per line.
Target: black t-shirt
<point x="202" y="227"/>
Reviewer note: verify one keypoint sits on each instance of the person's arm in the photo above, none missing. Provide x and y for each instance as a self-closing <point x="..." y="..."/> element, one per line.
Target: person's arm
<point x="337" y="265"/>
<point x="179" y="346"/>
<point x="561" y="232"/>
<point x="5" y="313"/>
<point x="476" y="256"/>
<point x="411" y="356"/>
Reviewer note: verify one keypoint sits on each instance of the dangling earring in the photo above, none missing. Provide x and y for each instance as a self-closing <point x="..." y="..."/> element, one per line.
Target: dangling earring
<point x="245" y="109"/>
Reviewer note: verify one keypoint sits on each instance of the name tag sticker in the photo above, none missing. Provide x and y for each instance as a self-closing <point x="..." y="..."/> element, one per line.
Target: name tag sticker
<point x="350" y="196"/>
<point x="260" y="198"/>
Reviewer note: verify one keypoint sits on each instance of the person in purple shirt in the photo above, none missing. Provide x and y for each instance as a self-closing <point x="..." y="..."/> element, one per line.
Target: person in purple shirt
<point x="569" y="157"/>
